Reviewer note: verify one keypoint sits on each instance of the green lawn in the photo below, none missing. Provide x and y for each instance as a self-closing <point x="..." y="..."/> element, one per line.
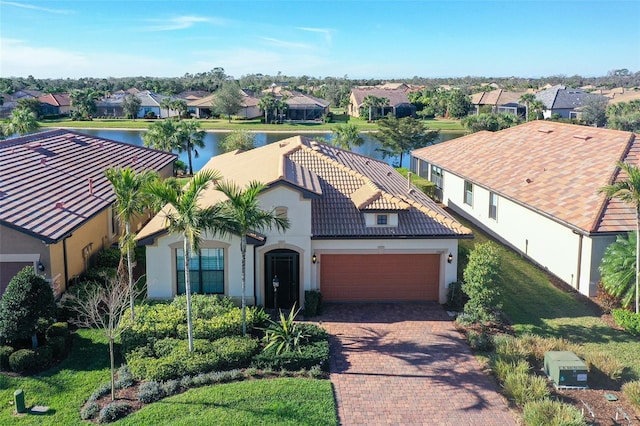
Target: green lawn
<point x="535" y="305"/>
<point x="284" y="401"/>
<point x="66" y="387"/>
<point x="256" y="125"/>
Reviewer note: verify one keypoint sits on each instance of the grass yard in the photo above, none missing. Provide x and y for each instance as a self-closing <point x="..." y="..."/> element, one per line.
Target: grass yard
<point x="284" y="401"/>
<point x="535" y="305"/>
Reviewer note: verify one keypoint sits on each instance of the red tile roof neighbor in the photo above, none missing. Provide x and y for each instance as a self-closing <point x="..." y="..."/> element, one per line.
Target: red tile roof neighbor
<point x="550" y="167"/>
<point x="52" y="182"/>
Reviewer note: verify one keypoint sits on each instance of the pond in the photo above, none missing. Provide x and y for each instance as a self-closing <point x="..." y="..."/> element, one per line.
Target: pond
<point x="262" y="138"/>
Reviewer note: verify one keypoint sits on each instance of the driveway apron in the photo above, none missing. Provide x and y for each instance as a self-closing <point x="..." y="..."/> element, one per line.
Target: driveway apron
<point x="405" y="364"/>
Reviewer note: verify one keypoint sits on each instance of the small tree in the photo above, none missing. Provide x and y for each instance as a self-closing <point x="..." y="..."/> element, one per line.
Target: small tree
<point x="104" y="308"/>
<point x="130" y="106"/>
<point x="481" y="280"/>
<point x="228" y="100"/>
<point x="27" y="307"/>
<point x="398" y="136"/>
<point x="237" y="140"/>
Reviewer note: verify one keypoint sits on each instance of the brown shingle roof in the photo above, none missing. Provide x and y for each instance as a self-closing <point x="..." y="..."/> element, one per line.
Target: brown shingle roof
<point x="551" y="167"/>
<point x="341" y="184"/>
<point x="45" y="188"/>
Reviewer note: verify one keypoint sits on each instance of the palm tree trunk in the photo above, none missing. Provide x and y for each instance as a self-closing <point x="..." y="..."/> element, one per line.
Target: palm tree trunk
<point x="127" y="228"/>
<point x="243" y="249"/>
<point x="637" y="255"/>
<point x="370" y="113"/>
<point x="190" y="161"/>
<point x="187" y="288"/>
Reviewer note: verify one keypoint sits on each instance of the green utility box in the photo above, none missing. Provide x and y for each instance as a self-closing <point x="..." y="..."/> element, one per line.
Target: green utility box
<point x="18" y="400"/>
<point x="565" y="369"/>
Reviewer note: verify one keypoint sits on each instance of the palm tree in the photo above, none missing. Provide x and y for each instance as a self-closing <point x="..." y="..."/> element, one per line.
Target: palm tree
<point x="184" y="215"/>
<point x="83" y="102"/>
<point x="243" y="214"/>
<point x="526" y="99"/>
<point x="161" y="135"/>
<point x="166" y="103"/>
<point x="189" y="137"/>
<point x="383" y="102"/>
<point x="132" y="199"/>
<point x="266" y="104"/>
<point x="370" y="102"/>
<point x="537" y="107"/>
<point x="22" y="121"/>
<point x="617" y="266"/>
<point x="347" y="136"/>
<point x="628" y="191"/>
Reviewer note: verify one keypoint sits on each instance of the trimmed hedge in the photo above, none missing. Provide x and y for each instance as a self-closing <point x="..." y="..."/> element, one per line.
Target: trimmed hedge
<point x="312" y="303"/>
<point x="24" y="361"/>
<point x="5" y="353"/>
<point x="310" y="355"/>
<point x="58" y="329"/>
<point x="628" y="320"/>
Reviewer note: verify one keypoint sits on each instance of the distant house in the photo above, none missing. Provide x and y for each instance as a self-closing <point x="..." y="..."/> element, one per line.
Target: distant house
<point x="203" y="107"/>
<point x="300" y="106"/>
<point x="498" y="101"/>
<point x="10" y="101"/>
<point x="358" y="232"/>
<point x="399" y="104"/>
<point x="55" y="203"/>
<point x="535" y="187"/>
<point x="150" y="104"/>
<point x="55" y="104"/>
<point x="565" y="101"/>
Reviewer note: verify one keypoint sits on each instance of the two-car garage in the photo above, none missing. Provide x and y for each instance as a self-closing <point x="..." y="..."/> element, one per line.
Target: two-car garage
<point x="380" y="277"/>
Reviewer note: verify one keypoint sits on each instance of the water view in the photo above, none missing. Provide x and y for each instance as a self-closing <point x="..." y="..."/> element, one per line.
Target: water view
<point x="262" y="138"/>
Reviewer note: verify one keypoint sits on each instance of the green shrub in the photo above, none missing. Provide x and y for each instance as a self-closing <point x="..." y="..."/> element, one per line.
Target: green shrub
<point x="315" y="354"/>
<point x="5" y="353"/>
<point x="45" y="355"/>
<point x="24" y="361"/>
<point x="102" y="390"/>
<point x="114" y="411"/>
<point x="108" y="258"/>
<point x="204" y="306"/>
<point x="628" y="320"/>
<point x="171" y="387"/>
<point x="89" y="410"/>
<point x="235" y="352"/>
<point x="523" y="388"/>
<point x="149" y="392"/>
<point x="153" y="322"/>
<point x="481" y="283"/>
<point x="227" y="324"/>
<point x="549" y="412"/>
<point x="313" y="333"/>
<point x="604" y="362"/>
<point x="312" y="303"/>
<point x="284" y="335"/>
<point x="535" y="346"/>
<point x="631" y="391"/>
<point x="481" y="341"/>
<point x="58" y="329"/>
<point x="502" y="368"/>
<point x="125" y="378"/>
<point x="455" y="296"/>
<point x="509" y="348"/>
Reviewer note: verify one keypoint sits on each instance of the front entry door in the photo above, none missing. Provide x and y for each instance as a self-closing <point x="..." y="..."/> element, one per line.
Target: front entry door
<point x="285" y="265"/>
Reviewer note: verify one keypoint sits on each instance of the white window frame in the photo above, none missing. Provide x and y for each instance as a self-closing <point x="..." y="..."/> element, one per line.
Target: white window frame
<point x="468" y="193"/>
<point x="493" y="206"/>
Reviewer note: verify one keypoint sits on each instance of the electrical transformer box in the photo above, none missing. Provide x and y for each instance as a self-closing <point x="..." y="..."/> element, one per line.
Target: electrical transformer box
<point x="565" y="368"/>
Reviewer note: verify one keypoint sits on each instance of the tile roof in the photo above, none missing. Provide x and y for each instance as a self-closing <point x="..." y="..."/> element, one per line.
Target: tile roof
<point x="52" y="182"/>
<point x="563" y="97"/>
<point x="496" y="97"/>
<point x="395" y="96"/>
<point x="56" y="99"/>
<point x="550" y="167"/>
<point x="341" y="185"/>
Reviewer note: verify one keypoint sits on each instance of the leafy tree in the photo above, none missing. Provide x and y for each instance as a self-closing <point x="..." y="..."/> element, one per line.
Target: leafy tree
<point x="628" y="191"/>
<point x="594" y="111"/>
<point x="617" y="268"/>
<point x="83" y="102"/>
<point x="131" y="106"/>
<point x="22" y="121"/>
<point x="526" y="99"/>
<point x="228" y="100"/>
<point x="27" y="307"/>
<point x="132" y="199"/>
<point x="399" y="136"/>
<point x="267" y="103"/>
<point x="624" y="116"/>
<point x="347" y="135"/>
<point x="238" y="139"/>
<point x="481" y="283"/>
<point x="185" y="216"/>
<point x="104" y="308"/>
<point x="242" y="214"/>
<point x="489" y="121"/>
<point x="458" y="104"/>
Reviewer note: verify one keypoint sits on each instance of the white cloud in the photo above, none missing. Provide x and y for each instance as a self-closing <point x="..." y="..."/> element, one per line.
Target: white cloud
<point x="286" y="44"/>
<point x="40" y="8"/>
<point x="181" y="23"/>
<point x="324" y="31"/>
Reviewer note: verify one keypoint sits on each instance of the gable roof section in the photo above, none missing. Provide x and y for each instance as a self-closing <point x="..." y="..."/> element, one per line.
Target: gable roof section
<point x="496" y="97"/>
<point x="395" y="96"/>
<point x="56" y="99"/>
<point x="553" y="168"/>
<point x="52" y="182"/>
<point x="563" y="97"/>
<point x="341" y="185"/>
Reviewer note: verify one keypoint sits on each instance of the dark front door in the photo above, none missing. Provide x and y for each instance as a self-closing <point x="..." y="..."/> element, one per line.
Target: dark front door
<point x="285" y="265"/>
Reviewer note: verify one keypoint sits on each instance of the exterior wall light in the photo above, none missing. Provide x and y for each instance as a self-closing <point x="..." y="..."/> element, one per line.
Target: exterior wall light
<point x="450" y="258"/>
<point x="40" y="266"/>
<point x="314" y="259"/>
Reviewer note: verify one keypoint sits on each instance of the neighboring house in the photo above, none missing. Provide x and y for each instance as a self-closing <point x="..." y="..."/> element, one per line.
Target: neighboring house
<point x="535" y="186"/>
<point x="55" y="104"/>
<point x="55" y="203"/>
<point x="565" y="101"/>
<point x="498" y="101"/>
<point x="358" y="232"/>
<point x="149" y="103"/>
<point x="399" y="104"/>
<point x="203" y="108"/>
<point x="9" y="102"/>
<point x="301" y="106"/>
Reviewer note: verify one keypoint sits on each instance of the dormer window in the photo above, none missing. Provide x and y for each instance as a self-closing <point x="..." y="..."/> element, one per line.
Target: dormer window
<point x="382" y="219"/>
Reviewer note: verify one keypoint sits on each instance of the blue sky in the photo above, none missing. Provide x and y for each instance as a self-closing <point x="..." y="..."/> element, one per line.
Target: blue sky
<point x="359" y="39"/>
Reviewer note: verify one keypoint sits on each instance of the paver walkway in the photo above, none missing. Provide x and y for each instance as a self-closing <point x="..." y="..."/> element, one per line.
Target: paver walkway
<point x="404" y="364"/>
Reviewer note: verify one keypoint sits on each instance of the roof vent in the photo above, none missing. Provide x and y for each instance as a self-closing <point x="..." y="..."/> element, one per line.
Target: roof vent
<point x="389" y="173"/>
<point x="528" y="180"/>
<point x="545" y="130"/>
<point x="583" y="137"/>
<point x="60" y="205"/>
<point x="134" y="160"/>
<point x="43" y="161"/>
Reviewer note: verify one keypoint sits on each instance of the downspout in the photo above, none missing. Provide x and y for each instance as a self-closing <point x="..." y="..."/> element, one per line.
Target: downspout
<point x="255" y="275"/>
<point x="580" y="237"/>
<point x="64" y="260"/>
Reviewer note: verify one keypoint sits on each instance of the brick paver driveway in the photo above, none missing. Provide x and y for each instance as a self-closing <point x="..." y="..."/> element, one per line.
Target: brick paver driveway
<point x="405" y="364"/>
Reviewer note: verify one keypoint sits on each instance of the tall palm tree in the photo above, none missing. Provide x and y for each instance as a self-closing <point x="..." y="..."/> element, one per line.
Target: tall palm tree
<point x="132" y="199"/>
<point x="370" y="102"/>
<point x="242" y="214"/>
<point x="161" y="135"/>
<point x="166" y="103"/>
<point x="22" y="121"/>
<point x="346" y="136"/>
<point x="383" y="102"/>
<point x="185" y="216"/>
<point x="266" y="104"/>
<point x="538" y="107"/>
<point x="189" y="137"/>
<point x="628" y="191"/>
<point x="526" y="99"/>
<point x="617" y="266"/>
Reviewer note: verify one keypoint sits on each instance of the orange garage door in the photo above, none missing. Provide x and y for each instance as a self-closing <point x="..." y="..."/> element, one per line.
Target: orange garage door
<point x="379" y="277"/>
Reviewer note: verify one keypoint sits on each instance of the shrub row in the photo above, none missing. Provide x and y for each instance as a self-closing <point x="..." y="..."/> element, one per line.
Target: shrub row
<point x="310" y="355"/>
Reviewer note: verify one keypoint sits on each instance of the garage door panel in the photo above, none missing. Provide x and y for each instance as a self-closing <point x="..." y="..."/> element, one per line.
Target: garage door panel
<point x="380" y="277"/>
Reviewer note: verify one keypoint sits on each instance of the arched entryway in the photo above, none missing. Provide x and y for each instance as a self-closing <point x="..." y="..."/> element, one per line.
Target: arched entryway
<point x="285" y="265"/>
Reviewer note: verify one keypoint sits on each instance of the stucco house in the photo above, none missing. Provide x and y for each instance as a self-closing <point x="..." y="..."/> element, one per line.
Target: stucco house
<point x="565" y="101"/>
<point x="498" y="101"/>
<point x="300" y="106"/>
<point x="55" y="203"/>
<point x="55" y="104"/>
<point x="149" y="103"/>
<point x="535" y="187"/>
<point x="399" y="104"/>
<point x="358" y="232"/>
<point x="203" y="107"/>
